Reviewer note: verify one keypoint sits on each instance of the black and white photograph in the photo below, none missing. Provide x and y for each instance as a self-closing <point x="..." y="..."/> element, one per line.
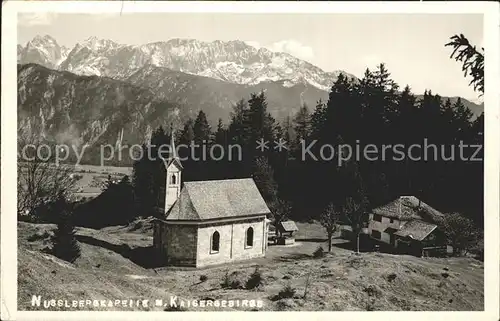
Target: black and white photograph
<point x="174" y="161"/>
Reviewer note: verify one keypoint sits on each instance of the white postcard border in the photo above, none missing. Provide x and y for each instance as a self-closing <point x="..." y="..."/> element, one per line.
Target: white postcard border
<point x="8" y="226"/>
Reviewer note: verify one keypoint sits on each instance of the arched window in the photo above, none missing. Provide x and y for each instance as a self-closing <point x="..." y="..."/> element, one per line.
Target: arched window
<point x="215" y="241"/>
<point x="249" y="241"/>
<point x="172" y="179"/>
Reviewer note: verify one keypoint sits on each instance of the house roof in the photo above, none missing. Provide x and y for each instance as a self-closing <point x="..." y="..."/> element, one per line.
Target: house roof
<point x="390" y="230"/>
<point x="288" y="226"/>
<point x="407" y="208"/>
<point x="416" y="229"/>
<point x="208" y="200"/>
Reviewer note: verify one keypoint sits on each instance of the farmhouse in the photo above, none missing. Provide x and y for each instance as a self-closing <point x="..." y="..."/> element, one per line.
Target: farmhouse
<point x="408" y="225"/>
<point x="210" y="222"/>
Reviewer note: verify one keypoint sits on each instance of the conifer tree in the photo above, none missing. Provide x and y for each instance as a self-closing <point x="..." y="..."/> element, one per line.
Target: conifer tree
<point x="302" y="123"/>
<point x="472" y="60"/>
<point x="149" y="174"/>
<point x="318" y="119"/>
<point x="221" y="133"/>
<point x="237" y="129"/>
<point x="264" y="179"/>
<point x="186" y="135"/>
<point x="65" y="246"/>
<point x="201" y="128"/>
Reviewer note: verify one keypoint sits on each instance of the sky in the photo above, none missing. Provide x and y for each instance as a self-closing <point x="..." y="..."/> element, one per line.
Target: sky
<point x="411" y="45"/>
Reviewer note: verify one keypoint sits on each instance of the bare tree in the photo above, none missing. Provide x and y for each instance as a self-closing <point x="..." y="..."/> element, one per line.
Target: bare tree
<point x="355" y="214"/>
<point x="41" y="182"/>
<point x="330" y="219"/>
<point x="471" y="58"/>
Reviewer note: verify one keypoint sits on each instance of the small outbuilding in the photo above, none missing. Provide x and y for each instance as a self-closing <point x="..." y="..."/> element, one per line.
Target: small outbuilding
<point x="286" y="230"/>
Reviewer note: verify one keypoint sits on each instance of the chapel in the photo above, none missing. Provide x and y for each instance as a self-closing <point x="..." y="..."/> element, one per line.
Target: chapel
<point x="209" y="222"/>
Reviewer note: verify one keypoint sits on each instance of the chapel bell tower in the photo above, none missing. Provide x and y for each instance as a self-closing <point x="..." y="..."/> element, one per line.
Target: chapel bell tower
<point x="173" y="177"/>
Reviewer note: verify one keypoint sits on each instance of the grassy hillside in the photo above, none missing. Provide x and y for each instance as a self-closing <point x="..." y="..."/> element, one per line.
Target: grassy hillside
<point x="113" y="266"/>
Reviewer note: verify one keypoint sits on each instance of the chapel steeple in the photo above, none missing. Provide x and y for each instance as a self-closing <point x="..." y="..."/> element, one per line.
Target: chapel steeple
<point x="174" y="171"/>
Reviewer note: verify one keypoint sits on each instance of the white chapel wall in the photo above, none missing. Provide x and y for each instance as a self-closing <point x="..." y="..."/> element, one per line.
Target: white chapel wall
<point x="232" y="242"/>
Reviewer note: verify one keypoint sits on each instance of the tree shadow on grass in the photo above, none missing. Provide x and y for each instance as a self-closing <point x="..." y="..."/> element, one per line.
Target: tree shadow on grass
<point x="146" y="257"/>
<point x="350" y="246"/>
<point x="293" y="257"/>
<point x="314" y="240"/>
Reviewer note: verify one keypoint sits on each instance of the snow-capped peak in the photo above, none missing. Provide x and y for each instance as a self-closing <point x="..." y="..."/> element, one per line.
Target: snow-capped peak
<point x="232" y="61"/>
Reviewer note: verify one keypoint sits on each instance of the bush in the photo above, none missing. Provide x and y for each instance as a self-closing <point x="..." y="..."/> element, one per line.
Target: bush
<point x="203" y="278"/>
<point x="372" y="290"/>
<point x="319" y="252"/>
<point x="77" y="177"/>
<point x="39" y="236"/>
<point x="287" y="292"/>
<point x="230" y="281"/>
<point x="255" y="280"/>
<point x="391" y="277"/>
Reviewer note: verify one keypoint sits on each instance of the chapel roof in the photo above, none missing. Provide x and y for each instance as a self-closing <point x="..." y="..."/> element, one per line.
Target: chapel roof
<point x="217" y="199"/>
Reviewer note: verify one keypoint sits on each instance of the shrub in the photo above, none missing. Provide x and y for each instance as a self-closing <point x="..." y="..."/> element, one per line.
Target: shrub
<point x="225" y="281"/>
<point x="203" y="278"/>
<point x="391" y="277"/>
<point x="77" y="177"/>
<point x="372" y="290"/>
<point x="235" y="284"/>
<point x="255" y="280"/>
<point x="287" y="292"/>
<point x="319" y="252"/>
<point x="39" y="236"/>
<point x="230" y="281"/>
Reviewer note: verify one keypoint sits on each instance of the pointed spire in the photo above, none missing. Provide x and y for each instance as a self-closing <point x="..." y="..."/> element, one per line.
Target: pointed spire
<point x="173" y="150"/>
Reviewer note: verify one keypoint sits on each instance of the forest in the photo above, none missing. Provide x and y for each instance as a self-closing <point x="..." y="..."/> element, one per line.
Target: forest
<point x="374" y="111"/>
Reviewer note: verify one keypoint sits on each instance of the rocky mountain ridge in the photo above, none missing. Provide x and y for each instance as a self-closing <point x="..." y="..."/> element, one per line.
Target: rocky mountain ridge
<point x="231" y="61"/>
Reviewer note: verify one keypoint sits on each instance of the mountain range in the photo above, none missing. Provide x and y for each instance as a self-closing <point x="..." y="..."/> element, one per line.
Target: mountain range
<point x="231" y="61"/>
<point x="99" y="89"/>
